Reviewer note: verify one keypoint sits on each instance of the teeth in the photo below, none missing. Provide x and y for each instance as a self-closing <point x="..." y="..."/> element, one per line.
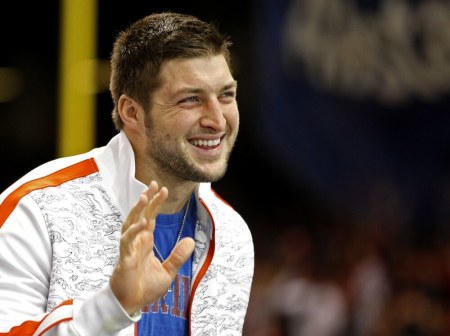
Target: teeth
<point x="206" y="143"/>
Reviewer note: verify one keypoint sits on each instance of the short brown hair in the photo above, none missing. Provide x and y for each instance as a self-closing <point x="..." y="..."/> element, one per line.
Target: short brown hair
<point x="140" y="51"/>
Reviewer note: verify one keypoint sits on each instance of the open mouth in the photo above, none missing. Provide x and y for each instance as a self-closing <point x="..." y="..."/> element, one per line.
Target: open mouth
<point x="206" y="143"/>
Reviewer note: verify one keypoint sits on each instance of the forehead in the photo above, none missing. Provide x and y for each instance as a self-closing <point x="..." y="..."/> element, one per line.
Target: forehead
<point x="195" y="72"/>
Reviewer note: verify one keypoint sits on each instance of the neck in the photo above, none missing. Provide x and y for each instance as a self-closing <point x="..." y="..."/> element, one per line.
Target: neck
<point x="179" y="190"/>
<point x="178" y="196"/>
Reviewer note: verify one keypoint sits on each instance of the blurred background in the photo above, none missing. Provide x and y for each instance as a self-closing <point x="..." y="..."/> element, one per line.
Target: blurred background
<point x="342" y="167"/>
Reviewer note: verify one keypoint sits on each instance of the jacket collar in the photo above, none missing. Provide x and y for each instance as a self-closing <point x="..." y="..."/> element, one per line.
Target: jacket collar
<point x="117" y="164"/>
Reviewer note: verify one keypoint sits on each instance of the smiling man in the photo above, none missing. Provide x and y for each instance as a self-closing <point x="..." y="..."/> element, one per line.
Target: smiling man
<point x="130" y="238"/>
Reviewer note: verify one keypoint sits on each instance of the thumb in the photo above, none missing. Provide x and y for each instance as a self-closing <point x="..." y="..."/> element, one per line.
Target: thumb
<point x="179" y="255"/>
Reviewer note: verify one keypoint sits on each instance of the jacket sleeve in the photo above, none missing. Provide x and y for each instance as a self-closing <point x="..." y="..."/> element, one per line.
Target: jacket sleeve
<point x="25" y="266"/>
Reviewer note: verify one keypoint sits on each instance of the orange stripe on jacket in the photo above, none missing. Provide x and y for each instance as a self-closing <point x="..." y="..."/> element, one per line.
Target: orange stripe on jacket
<point x="204" y="268"/>
<point x="28" y="328"/>
<point x="79" y="169"/>
<point x="25" y="329"/>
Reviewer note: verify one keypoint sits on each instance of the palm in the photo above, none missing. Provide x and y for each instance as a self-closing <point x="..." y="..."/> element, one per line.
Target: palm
<point x="140" y="278"/>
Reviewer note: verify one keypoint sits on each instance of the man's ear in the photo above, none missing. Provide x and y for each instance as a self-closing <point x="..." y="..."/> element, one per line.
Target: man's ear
<point x="129" y="110"/>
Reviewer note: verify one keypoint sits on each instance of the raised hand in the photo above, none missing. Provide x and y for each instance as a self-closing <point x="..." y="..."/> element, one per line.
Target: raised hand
<point x="139" y="277"/>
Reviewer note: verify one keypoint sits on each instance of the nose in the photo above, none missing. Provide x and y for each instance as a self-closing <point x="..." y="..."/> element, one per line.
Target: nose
<point x="213" y="115"/>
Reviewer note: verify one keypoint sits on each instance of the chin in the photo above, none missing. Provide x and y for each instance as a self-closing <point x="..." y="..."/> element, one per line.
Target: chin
<point x="210" y="176"/>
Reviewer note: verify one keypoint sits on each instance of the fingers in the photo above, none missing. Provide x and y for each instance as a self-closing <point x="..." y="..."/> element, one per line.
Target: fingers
<point x="135" y="212"/>
<point x="152" y="208"/>
<point x="146" y="206"/>
<point x="179" y="255"/>
<point x="142" y="219"/>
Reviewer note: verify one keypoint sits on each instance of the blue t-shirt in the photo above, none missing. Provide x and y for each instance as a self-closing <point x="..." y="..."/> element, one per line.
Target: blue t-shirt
<point x="168" y="316"/>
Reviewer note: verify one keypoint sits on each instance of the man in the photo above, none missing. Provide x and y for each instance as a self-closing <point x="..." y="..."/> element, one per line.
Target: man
<point x="130" y="238"/>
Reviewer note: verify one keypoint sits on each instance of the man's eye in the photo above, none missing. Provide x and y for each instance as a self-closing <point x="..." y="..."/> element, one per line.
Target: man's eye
<point x="229" y="94"/>
<point x="192" y="99"/>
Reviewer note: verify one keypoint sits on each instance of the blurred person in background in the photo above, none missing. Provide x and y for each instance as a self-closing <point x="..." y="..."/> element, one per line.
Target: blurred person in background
<point x="305" y="298"/>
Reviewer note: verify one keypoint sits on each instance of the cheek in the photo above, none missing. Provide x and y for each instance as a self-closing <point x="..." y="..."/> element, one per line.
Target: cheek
<point x="182" y="124"/>
<point x="233" y="119"/>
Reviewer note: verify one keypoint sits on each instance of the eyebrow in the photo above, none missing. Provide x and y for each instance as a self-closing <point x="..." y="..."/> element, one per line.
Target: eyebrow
<point x="228" y="86"/>
<point x="233" y="84"/>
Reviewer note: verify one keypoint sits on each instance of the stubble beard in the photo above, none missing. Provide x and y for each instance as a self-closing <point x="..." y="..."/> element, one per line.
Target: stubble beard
<point x="174" y="162"/>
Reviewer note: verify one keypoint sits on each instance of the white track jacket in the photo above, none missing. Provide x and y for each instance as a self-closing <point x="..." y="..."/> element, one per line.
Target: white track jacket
<point x="60" y="227"/>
